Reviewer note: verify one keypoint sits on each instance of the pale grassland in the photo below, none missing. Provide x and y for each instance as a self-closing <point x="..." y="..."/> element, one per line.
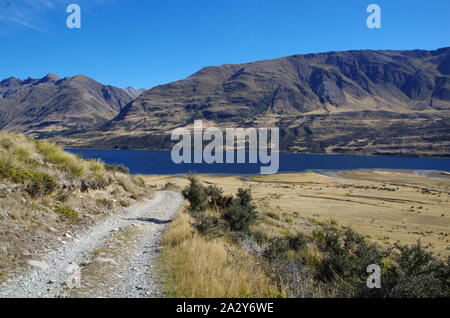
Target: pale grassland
<point x="387" y="206"/>
<point x="195" y="266"/>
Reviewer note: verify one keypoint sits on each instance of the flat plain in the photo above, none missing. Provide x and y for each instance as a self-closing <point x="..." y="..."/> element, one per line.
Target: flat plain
<point x="385" y="205"/>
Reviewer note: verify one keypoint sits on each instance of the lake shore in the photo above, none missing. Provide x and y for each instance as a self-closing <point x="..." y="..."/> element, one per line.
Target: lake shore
<point x="387" y="205"/>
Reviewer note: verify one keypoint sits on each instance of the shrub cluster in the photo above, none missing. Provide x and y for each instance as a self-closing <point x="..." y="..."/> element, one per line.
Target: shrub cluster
<point x="334" y="263"/>
<point x="117" y="168"/>
<point x="66" y="213"/>
<point x="237" y="213"/>
<point x="36" y="183"/>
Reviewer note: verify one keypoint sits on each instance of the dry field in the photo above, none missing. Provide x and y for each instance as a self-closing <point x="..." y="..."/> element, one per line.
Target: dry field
<point x="388" y="206"/>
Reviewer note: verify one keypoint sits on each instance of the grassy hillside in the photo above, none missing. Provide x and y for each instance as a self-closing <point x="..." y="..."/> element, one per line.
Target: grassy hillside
<point x="52" y="105"/>
<point x="46" y="194"/>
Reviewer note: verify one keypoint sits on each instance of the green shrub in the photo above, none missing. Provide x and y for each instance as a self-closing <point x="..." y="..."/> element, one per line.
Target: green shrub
<point x="41" y="184"/>
<point x="272" y="215"/>
<point x="276" y="248"/>
<point x="105" y="202"/>
<point x="411" y="272"/>
<point x="242" y="212"/>
<point x="417" y="274"/>
<point x="66" y="213"/>
<point x="96" y="166"/>
<point x="298" y="242"/>
<point x="36" y="183"/>
<point x="22" y="154"/>
<point x="196" y="194"/>
<point x="56" y="155"/>
<point x="62" y="196"/>
<point x="117" y="168"/>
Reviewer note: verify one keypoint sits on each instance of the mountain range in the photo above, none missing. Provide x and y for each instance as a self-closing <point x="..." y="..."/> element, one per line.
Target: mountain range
<point x="53" y="105"/>
<point x="358" y="102"/>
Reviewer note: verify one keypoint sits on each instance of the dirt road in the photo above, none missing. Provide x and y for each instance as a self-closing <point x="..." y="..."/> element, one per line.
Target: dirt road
<point x="115" y="258"/>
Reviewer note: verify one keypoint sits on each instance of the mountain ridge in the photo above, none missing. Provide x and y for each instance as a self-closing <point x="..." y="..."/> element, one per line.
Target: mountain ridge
<point x="390" y="102"/>
<point x="386" y="102"/>
<point x="53" y="104"/>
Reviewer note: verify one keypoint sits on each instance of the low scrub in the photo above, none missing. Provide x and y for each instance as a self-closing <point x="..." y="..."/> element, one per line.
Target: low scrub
<point x="333" y="263"/>
<point x="238" y="213"/>
<point x="54" y="154"/>
<point x="67" y="213"/>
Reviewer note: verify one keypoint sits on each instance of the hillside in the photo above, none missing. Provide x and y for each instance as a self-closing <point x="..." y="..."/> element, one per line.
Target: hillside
<point x="48" y="195"/>
<point x="363" y="102"/>
<point x="52" y="105"/>
<point x="134" y="92"/>
<point x="356" y="102"/>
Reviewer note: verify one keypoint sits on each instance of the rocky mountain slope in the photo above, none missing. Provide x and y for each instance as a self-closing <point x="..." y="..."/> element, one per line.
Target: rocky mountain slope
<point x="365" y="102"/>
<point x="52" y="105"/>
<point x="360" y="102"/>
<point x="134" y="92"/>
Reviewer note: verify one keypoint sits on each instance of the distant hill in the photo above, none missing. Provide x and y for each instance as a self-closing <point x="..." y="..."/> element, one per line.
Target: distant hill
<point x="53" y="105"/>
<point x="134" y="92"/>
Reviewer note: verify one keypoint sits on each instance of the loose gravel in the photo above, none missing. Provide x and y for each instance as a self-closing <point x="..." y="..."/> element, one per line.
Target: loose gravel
<point x="139" y="277"/>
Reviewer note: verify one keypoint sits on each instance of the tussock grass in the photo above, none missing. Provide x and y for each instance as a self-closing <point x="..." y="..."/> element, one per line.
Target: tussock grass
<point x="56" y="155"/>
<point x="45" y="190"/>
<point x="196" y="266"/>
<point x="67" y="213"/>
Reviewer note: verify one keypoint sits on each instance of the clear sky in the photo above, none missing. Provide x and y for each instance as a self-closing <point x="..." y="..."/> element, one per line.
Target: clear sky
<point x="144" y="43"/>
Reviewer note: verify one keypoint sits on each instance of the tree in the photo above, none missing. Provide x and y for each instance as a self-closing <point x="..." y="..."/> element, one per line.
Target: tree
<point x="196" y="194"/>
<point x="242" y="213"/>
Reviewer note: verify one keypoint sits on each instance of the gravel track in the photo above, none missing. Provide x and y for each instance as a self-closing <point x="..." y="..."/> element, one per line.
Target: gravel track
<point x="138" y="276"/>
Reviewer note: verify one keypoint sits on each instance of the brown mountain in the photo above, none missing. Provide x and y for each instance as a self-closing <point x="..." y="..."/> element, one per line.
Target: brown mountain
<point x="134" y="92"/>
<point x="51" y="105"/>
<point x="361" y="102"/>
<point x="372" y="102"/>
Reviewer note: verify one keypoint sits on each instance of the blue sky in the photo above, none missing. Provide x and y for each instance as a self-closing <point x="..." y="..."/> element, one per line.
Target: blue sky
<point x="144" y="43"/>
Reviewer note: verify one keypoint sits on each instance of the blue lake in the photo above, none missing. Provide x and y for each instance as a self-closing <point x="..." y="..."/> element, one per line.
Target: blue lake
<point x="160" y="162"/>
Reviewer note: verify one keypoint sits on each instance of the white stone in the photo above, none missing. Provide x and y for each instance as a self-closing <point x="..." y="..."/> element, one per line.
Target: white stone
<point x="41" y="265"/>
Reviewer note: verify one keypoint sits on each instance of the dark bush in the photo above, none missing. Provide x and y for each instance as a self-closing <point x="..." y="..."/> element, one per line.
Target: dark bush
<point x="117" y="168"/>
<point x="207" y="225"/>
<point x="418" y="274"/>
<point x="298" y="242"/>
<point x="217" y="199"/>
<point x="412" y="271"/>
<point x="242" y="213"/>
<point x="276" y="248"/>
<point x="196" y="194"/>
<point x="346" y="257"/>
<point x="41" y="184"/>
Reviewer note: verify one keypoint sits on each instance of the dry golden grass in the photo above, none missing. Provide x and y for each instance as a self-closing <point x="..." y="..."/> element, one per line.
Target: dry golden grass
<point x="388" y="206"/>
<point x="195" y="266"/>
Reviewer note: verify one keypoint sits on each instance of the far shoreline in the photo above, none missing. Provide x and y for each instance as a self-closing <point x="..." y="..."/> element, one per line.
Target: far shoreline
<point x="386" y="155"/>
